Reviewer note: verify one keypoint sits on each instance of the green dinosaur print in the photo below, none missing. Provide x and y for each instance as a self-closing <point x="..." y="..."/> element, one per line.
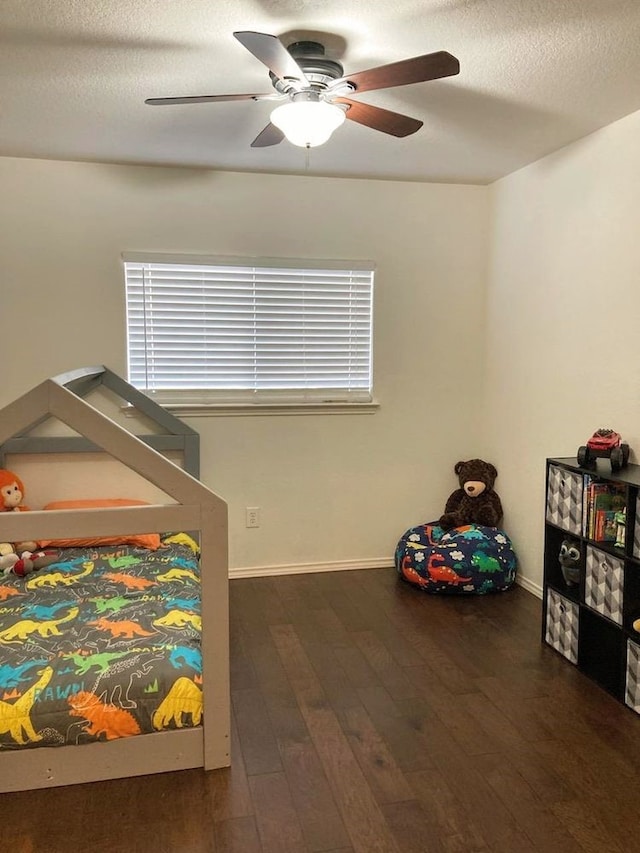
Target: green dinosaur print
<point x="473" y="534"/>
<point x="123" y="562"/>
<point x="115" y="604"/>
<point x="99" y="662"/>
<point x="485" y="563"/>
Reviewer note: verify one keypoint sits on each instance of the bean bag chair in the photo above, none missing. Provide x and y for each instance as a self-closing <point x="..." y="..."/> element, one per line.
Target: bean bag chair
<point x="470" y="559"/>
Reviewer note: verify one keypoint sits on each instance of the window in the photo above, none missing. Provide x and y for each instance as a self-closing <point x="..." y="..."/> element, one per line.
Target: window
<point x="207" y="331"/>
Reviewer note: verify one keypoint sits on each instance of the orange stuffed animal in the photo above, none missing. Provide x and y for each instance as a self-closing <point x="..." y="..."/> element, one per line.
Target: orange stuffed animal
<point x="11" y="495"/>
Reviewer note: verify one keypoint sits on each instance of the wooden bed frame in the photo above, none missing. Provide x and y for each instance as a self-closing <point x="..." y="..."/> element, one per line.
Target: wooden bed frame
<point x="197" y="508"/>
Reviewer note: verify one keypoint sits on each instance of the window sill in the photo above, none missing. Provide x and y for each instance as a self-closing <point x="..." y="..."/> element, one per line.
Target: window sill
<point x="216" y="410"/>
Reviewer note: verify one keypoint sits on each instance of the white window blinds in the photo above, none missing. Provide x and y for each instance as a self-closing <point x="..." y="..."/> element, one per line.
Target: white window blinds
<point x="220" y="331"/>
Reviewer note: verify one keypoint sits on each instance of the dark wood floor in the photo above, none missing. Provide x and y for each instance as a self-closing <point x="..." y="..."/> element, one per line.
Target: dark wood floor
<point x="368" y="718"/>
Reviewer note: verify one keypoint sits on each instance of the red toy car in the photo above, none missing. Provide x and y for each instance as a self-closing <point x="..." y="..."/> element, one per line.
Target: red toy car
<point x="604" y="443"/>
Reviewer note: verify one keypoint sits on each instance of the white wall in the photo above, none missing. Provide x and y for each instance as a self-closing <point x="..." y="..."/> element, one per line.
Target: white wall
<point x="331" y="488"/>
<point x="563" y="330"/>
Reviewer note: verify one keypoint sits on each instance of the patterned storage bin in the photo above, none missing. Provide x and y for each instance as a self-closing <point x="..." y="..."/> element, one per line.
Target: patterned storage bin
<point x="564" y="499"/>
<point x="562" y="625"/>
<point x="604" y="584"/>
<point x="632" y="688"/>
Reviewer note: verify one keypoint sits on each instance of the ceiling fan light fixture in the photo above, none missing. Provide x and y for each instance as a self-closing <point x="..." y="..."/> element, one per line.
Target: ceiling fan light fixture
<point x="308" y="122"/>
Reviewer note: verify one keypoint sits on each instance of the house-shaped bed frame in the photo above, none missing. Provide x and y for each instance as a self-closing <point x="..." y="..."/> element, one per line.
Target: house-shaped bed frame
<point x="197" y="508"/>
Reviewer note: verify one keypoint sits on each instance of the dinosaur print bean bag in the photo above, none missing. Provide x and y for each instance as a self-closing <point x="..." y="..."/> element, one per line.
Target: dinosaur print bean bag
<point x="469" y="559"/>
<point x="102" y="644"/>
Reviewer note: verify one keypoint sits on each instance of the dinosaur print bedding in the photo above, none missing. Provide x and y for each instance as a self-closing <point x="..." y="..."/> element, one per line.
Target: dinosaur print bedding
<point x="104" y="643"/>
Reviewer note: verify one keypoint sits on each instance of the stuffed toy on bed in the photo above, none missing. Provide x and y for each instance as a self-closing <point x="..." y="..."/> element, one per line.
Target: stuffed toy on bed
<point x="26" y="562"/>
<point x="11" y="496"/>
<point x="475" y="502"/>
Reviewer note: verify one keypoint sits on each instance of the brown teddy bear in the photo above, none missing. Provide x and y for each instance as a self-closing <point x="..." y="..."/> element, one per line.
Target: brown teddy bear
<point x="474" y="502"/>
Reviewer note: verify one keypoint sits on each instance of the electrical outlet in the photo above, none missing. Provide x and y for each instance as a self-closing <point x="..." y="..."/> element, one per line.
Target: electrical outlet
<point x="252" y="516"/>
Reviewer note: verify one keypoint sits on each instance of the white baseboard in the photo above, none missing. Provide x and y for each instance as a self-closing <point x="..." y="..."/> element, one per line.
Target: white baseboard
<point x="530" y="586"/>
<point x="341" y="566"/>
<point x="308" y="568"/>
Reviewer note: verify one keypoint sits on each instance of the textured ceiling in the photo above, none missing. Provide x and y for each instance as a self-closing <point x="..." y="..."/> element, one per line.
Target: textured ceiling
<point x="535" y="75"/>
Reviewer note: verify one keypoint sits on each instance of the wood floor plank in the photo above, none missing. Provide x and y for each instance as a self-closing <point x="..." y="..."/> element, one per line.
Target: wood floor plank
<point x="411" y="829"/>
<point x="402" y="733"/>
<point x="355" y="666"/>
<point x="515" y="707"/>
<point x="468" y="732"/>
<point x="316" y="808"/>
<point x="498" y="729"/>
<point x="365" y="823"/>
<point x="300" y="591"/>
<point x="590" y="833"/>
<point x="540" y="775"/>
<point x="457" y="844"/>
<point x="242" y="672"/>
<point x="453" y="633"/>
<point x="330" y="628"/>
<point x="382" y="662"/>
<point x="108" y="815"/>
<point x="276" y="818"/>
<point x="258" y="743"/>
<point x="436" y="654"/>
<point x="608" y="815"/>
<point x="286" y="721"/>
<point x="387" y="782"/>
<point x="585" y="738"/>
<point x="238" y="835"/>
<point x="394" y="640"/>
<point x="339" y="593"/>
<point x="432" y="618"/>
<point x="494" y="820"/>
<point x="447" y="812"/>
<point x="514" y="844"/>
<point x="536" y="821"/>
<point x="256" y="608"/>
<point x="228" y="788"/>
<point x="301" y="602"/>
<point x="338" y="688"/>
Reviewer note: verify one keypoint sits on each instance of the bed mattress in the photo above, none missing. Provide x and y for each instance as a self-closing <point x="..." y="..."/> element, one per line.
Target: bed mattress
<point x="104" y="643"/>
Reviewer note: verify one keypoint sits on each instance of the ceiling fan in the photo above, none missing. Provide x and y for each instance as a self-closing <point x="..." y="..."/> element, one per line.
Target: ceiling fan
<point x="317" y="93"/>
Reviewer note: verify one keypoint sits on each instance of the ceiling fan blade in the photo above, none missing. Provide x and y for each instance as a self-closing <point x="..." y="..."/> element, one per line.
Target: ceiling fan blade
<point x="270" y="135"/>
<point x="270" y="51"/>
<point x="384" y="120"/>
<point x="205" y="99"/>
<point x="431" y="66"/>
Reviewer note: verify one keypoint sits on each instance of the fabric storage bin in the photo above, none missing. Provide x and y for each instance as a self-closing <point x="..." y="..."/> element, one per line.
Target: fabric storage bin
<point x="604" y="584"/>
<point x="632" y="685"/>
<point x="564" y="499"/>
<point x="562" y="625"/>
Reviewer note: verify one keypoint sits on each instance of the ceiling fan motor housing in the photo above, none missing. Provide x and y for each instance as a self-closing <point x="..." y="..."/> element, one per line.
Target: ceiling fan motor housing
<point x="319" y="71"/>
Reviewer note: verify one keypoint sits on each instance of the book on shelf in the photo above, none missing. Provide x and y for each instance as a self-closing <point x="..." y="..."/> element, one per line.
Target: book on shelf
<point x="606" y="527"/>
<point x="585" y="502"/>
<point x="601" y="501"/>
